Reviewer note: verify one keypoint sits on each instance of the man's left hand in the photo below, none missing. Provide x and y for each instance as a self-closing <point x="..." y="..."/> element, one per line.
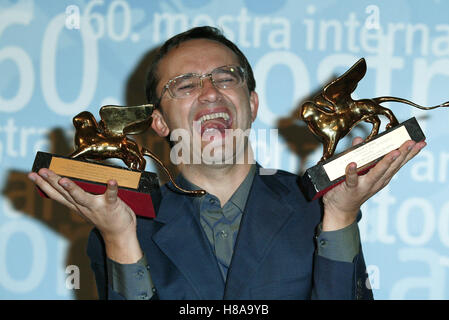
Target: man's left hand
<point x="342" y="203"/>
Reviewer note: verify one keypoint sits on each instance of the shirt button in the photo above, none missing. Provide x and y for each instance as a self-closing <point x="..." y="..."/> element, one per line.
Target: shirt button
<point x="139" y="274"/>
<point x="223" y="234"/>
<point x="212" y="201"/>
<point x="323" y="243"/>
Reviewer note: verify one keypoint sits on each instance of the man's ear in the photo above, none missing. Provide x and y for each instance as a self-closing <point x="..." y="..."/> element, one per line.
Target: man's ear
<point x="254" y="104"/>
<point x="159" y="125"/>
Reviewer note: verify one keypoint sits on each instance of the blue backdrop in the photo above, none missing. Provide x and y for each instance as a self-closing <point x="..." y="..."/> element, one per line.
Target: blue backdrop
<point x="58" y="58"/>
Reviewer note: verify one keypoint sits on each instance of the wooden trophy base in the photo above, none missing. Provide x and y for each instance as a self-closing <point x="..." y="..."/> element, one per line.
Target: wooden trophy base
<point x="136" y="188"/>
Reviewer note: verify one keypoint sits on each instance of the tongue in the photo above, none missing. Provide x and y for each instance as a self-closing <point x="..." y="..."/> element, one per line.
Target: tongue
<point x="219" y="124"/>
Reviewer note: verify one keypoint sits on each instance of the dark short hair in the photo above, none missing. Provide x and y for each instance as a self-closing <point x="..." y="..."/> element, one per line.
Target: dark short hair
<point x="205" y="32"/>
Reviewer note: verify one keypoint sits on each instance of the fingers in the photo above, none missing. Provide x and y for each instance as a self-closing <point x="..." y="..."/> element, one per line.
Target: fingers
<point x="78" y="195"/>
<point x="105" y="211"/>
<point x="407" y="151"/>
<point x="413" y="150"/>
<point x="350" y="195"/>
<point x="384" y="171"/>
<point x="62" y="190"/>
<point x="69" y="193"/>
<point x="111" y="192"/>
<point x="357" y="140"/>
<point x="352" y="177"/>
<point x="47" y="181"/>
<point x="351" y="169"/>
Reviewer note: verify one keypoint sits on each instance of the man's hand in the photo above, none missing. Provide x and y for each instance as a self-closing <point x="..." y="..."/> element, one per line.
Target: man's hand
<point x="107" y="212"/>
<point x="342" y="203"/>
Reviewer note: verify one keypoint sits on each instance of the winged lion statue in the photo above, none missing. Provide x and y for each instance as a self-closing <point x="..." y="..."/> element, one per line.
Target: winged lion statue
<point x="332" y="113"/>
<point x="108" y="138"/>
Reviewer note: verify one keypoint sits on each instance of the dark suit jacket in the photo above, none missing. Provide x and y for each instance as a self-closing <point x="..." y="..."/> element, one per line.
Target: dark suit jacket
<point x="274" y="255"/>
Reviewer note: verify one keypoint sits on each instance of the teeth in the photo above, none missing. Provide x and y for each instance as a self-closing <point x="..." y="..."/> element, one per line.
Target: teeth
<point x="212" y="116"/>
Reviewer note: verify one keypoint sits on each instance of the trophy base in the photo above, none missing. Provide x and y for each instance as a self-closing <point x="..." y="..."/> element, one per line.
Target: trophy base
<point x="136" y="188"/>
<point x="324" y="176"/>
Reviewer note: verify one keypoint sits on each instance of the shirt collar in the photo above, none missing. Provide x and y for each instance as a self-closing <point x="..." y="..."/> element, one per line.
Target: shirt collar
<point x="240" y="195"/>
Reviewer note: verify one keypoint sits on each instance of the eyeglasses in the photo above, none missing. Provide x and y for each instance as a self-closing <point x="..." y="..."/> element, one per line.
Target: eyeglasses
<point x="183" y="86"/>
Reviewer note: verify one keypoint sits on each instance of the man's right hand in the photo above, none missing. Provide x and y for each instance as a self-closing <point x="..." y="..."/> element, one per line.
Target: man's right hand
<point x="107" y="212"/>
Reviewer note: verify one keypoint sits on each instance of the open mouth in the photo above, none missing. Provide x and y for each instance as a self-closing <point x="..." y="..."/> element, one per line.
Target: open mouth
<point x="214" y="120"/>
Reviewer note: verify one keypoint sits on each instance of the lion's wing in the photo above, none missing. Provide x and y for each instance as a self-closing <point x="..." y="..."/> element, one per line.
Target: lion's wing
<point x="122" y="120"/>
<point x="341" y="88"/>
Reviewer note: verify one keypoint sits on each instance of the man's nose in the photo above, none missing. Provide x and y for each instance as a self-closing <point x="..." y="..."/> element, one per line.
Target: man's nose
<point x="208" y="91"/>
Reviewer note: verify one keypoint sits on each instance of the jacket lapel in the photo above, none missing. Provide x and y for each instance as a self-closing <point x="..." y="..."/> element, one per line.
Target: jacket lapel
<point x="183" y="241"/>
<point x="267" y="210"/>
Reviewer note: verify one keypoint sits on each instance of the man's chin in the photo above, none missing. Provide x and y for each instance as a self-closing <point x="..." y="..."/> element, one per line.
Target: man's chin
<point x="214" y="152"/>
<point x="223" y="152"/>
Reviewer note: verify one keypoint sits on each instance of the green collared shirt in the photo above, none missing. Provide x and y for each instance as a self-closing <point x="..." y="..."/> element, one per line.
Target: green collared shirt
<point x="221" y="226"/>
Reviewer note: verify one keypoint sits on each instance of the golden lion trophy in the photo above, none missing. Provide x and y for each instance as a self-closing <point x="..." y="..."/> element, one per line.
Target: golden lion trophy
<point x="332" y="114"/>
<point x="108" y="139"/>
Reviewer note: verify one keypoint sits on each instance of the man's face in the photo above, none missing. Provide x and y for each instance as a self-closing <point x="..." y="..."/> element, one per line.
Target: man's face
<point x="209" y="112"/>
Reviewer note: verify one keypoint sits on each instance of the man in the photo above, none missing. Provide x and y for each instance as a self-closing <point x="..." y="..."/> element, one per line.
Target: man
<point x="251" y="236"/>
